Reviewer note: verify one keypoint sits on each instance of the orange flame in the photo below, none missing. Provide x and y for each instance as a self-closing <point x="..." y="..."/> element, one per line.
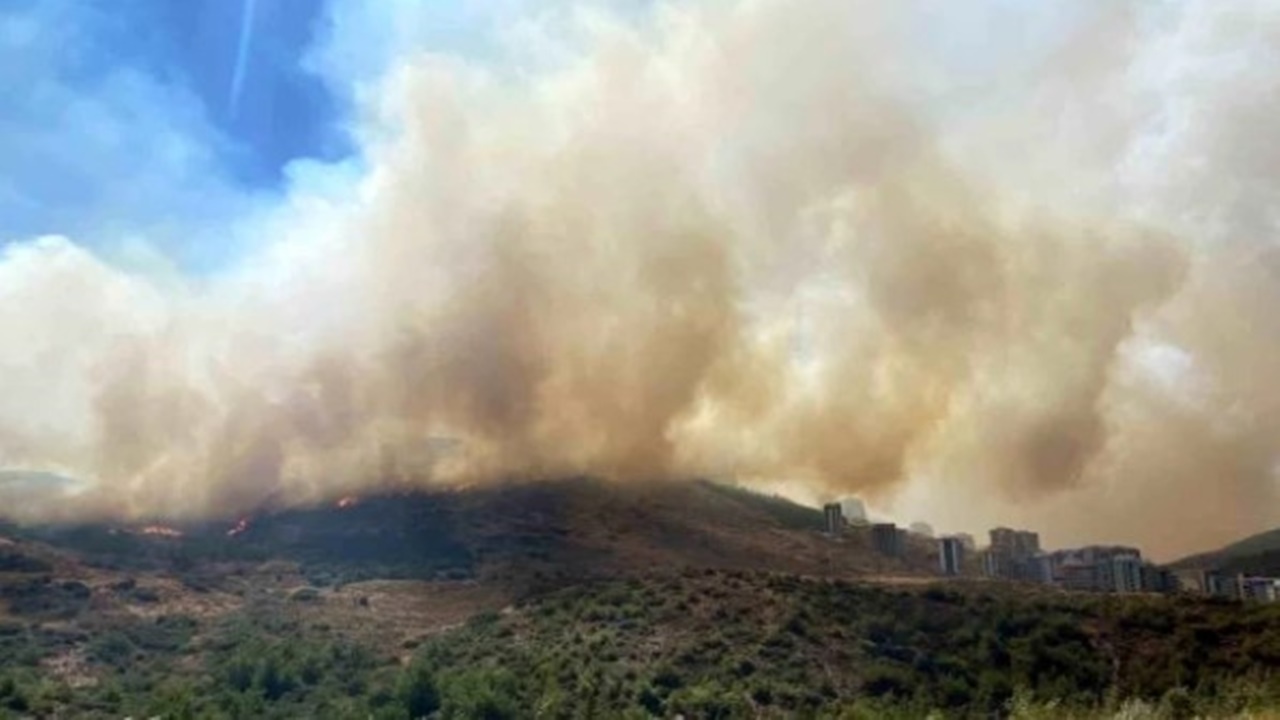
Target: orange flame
<point x="241" y="525"/>
<point x="160" y="531"/>
<point x="348" y="501"/>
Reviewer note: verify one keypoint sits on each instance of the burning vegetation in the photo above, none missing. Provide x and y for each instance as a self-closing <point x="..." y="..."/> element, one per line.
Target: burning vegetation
<point x="160" y="531"/>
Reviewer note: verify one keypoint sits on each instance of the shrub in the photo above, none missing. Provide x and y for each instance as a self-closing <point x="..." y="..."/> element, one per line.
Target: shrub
<point x="112" y="648"/>
<point x="16" y="562"/>
<point x="305" y="595"/>
<point x="484" y="694"/>
<point x="417" y="691"/>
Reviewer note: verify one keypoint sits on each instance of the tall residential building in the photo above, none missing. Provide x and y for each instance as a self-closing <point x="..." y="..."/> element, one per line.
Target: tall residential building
<point x="1262" y="589"/>
<point x="1126" y="573"/>
<point x="951" y="555"/>
<point x="1212" y="582"/>
<point x="832" y="518"/>
<point x="1074" y="573"/>
<point x="1002" y="539"/>
<point x="1158" y="580"/>
<point x="1043" y="568"/>
<point x="993" y="564"/>
<point x="967" y="540"/>
<point x="1102" y="568"/>
<point x="1016" y="551"/>
<point x="886" y="539"/>
<point x="1018" y="544"/>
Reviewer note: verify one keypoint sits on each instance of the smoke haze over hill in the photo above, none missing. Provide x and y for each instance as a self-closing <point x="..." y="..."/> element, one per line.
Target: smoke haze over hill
<point x="770" y="240"/>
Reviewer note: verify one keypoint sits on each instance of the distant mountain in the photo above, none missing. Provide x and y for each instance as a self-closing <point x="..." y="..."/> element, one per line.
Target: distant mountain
<point x="30" y="489"/>
<point x="1255" y="555"/>
<point x="34" y="491"/>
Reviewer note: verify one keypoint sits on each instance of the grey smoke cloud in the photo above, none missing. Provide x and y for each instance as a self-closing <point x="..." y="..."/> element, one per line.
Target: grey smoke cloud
<point x="741" y="238"/>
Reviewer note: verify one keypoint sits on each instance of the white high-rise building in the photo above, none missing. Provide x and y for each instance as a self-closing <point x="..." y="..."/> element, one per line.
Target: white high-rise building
<point x="951" y="555"/>
<point x="832" y="519"/>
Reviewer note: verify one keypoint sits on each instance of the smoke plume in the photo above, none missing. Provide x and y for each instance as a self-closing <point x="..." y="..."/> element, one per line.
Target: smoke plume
<point x="777" y="241"/>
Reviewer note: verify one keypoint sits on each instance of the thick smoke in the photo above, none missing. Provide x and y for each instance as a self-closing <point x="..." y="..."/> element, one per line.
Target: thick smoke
<point x="761" y="239"/>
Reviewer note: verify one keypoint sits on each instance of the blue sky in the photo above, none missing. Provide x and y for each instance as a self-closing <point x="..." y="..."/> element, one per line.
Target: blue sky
<point x="120" y="124"/>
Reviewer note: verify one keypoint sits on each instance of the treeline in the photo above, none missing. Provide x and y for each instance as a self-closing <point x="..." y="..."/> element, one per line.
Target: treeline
<point x="706" y="644"/>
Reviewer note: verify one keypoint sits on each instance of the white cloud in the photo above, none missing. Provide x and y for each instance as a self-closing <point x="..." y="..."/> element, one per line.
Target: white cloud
<point x="103" y="152"/>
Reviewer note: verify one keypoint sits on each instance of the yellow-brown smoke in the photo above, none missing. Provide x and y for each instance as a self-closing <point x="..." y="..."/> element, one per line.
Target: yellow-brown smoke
<point x="748" y="238"/>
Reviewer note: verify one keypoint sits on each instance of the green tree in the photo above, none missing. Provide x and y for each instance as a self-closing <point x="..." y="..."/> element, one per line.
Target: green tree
<point x="418" y="692"/>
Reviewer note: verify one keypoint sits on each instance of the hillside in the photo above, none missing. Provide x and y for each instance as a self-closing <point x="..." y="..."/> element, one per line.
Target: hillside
<point x="1255" y="555"/>
<point x="696" y="643"/>
<point x="569" y="528"/>
<point x="422" y="560"/>
<point x="576" y="599"/>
